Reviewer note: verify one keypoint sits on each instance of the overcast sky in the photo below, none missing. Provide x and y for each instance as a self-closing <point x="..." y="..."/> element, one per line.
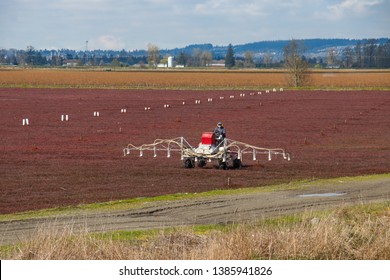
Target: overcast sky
<point x="132" y="24"/>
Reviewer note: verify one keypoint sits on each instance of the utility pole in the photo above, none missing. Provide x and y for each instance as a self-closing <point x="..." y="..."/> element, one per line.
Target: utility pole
<point x="85" y="53"/>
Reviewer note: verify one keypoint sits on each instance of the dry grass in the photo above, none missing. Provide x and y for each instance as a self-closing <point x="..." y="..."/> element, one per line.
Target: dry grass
<point x="253" y="79"/>
<point x="346" y="233"/>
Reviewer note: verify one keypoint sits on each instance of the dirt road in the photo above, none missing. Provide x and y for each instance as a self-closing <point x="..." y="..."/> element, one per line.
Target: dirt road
<point x="221" y="209"/>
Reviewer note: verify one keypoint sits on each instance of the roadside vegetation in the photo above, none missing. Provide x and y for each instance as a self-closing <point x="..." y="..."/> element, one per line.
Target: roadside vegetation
<point x="357" y="232"/>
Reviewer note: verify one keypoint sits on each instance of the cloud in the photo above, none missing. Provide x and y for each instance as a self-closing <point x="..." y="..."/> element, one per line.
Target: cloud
<point x="229" y="7"/>
<point x="108" y="42"/>
<point x="359" y="7"/>
<point x="81" y="5"/>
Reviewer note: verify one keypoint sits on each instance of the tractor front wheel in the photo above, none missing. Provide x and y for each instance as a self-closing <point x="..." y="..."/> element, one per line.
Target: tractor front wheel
<point x="189" y="163"/>
<point x="202" y="162"/>
<point x="222" y="165"/>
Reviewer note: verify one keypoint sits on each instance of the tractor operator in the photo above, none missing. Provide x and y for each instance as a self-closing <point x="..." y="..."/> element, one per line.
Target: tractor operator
<point x="220" y="133"/>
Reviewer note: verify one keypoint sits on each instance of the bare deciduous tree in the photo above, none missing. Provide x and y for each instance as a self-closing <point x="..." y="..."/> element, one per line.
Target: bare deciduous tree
<point x="332" y="57"/>
<point x="248" y="60"/>
<point x="267" y="58"/>
<point x="347" y="57"/>
<point x="153" y="55"/>
<point x="206" y="58"/>
<point x="296" y="65"/>
<point x="197" y="57"/>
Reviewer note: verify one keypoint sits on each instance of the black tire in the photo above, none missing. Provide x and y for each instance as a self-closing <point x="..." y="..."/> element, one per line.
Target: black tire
<point x="202" y="162"/>
<point x="222" y="165"/>
<point x="237" y="164"/>
<point x="189" y="163"/>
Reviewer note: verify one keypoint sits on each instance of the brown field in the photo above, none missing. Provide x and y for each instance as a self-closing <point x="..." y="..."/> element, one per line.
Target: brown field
<point x="224" y="79"/>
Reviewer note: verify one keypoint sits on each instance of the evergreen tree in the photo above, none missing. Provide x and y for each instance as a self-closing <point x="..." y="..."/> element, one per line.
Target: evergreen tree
<point x="182" y="60"/>
<point x="229" y="59"/>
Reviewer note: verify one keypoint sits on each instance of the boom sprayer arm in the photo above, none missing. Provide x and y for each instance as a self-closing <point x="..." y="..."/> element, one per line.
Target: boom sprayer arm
<point x="226" y="150"/>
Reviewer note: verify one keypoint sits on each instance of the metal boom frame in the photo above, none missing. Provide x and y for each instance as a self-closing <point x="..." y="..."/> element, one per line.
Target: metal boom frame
<point x="224" y="151"/>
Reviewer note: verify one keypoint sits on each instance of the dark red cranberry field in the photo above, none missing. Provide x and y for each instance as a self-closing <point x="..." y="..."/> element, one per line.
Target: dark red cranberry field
<point x="55" y="163"/>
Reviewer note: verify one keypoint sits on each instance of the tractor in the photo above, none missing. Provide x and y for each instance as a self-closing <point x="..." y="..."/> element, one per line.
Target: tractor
<point x="228" y="153"/>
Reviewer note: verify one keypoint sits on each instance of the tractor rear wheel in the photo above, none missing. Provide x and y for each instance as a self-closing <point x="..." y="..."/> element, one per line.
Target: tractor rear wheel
<point x="237" y="163"/>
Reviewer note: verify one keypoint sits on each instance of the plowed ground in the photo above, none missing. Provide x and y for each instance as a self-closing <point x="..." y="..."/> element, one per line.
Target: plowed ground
<point x="52" y="163"/>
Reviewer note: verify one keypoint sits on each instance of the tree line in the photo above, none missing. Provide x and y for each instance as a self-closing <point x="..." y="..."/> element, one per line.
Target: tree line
<point x="370" y="53"/>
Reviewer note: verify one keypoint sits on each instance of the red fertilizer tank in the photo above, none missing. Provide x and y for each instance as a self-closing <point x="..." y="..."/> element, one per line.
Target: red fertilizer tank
<point x="208" y="138"/>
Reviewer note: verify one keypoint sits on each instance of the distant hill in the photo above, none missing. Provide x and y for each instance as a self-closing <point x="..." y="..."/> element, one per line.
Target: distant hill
<point x="313" y="47"/>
